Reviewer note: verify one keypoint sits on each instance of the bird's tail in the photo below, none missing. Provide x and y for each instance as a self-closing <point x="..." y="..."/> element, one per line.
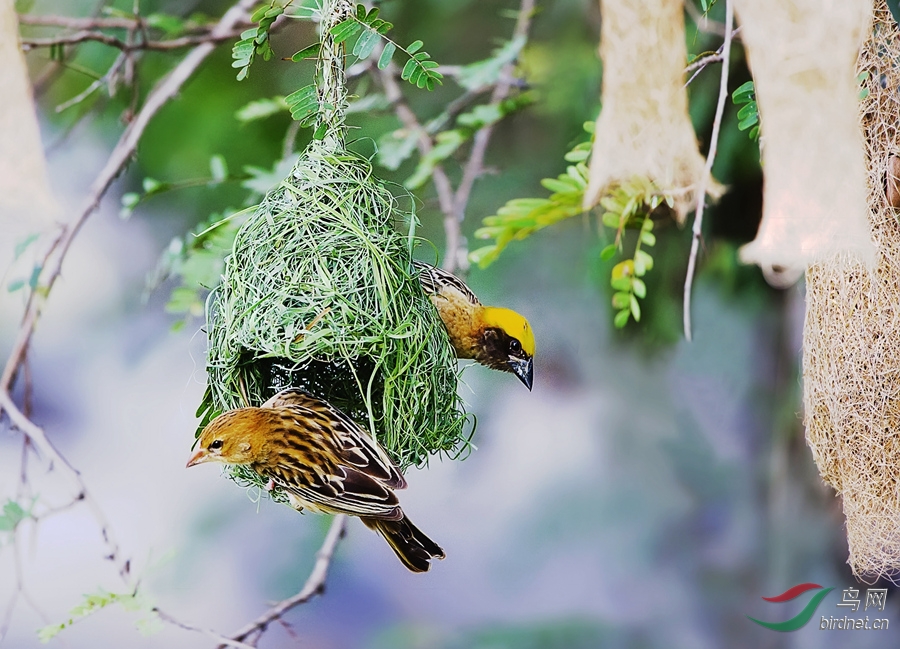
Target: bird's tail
<point x="411" y="546"/>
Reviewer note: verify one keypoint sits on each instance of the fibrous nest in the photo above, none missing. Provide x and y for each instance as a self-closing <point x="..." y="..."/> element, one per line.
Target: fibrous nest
<point x="319" y="293"/>
<point x="852" y="337"/>
<point x="644" y="129"/>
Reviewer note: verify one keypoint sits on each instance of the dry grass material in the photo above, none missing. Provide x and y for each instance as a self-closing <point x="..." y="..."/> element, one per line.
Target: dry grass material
<point x="644" y="129"/>
<point x="813" y="156"/>
<point x="851" y="349"/>
<point x="319" y="293"/>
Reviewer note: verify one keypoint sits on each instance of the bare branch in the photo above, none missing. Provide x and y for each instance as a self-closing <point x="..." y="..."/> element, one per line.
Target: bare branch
<point x="407" y="117"/>
<point x="702" y="21"/>
<point x="106" y="39"/>
<point x="707" y="171"/>
<point x="52" y="261"/>
<point x="45" y="447"/>
<point x="455" y="255"/>
<point x="69" y="22"/>
<point x="700" y="64"/>
<point x="218" y="637"/>
<point x="315" y="583"/>
<point x="121" y="154"/>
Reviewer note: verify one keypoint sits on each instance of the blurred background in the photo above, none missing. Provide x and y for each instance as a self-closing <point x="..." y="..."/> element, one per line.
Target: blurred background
<point x="647" y="493"/>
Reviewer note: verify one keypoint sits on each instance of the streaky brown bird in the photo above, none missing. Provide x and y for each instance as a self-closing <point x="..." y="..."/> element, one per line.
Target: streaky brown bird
<point x="323" y="461"/>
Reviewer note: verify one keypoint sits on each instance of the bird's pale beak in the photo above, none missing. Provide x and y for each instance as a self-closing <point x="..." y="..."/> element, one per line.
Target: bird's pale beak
<point x="199" y="457"/>
<point x="524" y="369"/>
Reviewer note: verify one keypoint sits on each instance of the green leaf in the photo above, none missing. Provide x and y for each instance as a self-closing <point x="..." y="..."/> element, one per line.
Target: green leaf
<point x="309" y="52"/>
<point x="260" y="109"/>
<point x="361" y="13"/>
<point x="621" y="300"/>
<point x="365" y="44"/>
<point x="258" y="15"/>
<point x="171" y="25"/>
<point x="621" y="318"/>
<point x="635" y="309"/>
<point x="648" y="238"/>
<point x="386" y="54"/>
<point x="484" y="73"/>
<point x="644" y="259"/>
<point x="23" y="245"/>
<point x="414" y="47"/>
<point x="395" y="147"/>
<point x="218" y="167"/>
<point x="344" y="30"/>
<point x="151" y="185"/>
<point x="621" y="284"/>
<point x="408" y="69"/>
<point x="13" y="514"/>
<point x="639" y="288"/>
<point x="609" y="252"/>
<point x="744" y="93"/>
<point x="15" y="285"/>
<point x="611" y="220"/>
<point x="35" y="276"/>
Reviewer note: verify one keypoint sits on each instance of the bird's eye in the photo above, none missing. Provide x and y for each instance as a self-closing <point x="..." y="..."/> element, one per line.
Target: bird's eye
<point x="515" y="346"/>
<point x="216" y="445"/>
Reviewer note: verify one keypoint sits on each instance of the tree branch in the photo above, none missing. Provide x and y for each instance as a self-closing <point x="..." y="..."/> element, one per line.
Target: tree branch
<point x="407" y="117"/>
<point x="45" y="447"/>
<point x="121" y="154"/>
<point x="456" y="255"/>
<point x="106" y="39"/>
<point x="315" y="583"/>
<point x="68" y="22"/>
<point x="707" y="171"/>
<point x="218" y="637"/>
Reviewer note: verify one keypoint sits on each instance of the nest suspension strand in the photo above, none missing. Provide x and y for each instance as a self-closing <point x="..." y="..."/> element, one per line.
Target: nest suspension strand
<point x="319" y="293"/>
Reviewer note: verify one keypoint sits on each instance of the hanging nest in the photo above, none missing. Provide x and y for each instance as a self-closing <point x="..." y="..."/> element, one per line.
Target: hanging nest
<point x="319" y="293"/>
<point x="644" y="130"/>
<point x="851" y="340"/>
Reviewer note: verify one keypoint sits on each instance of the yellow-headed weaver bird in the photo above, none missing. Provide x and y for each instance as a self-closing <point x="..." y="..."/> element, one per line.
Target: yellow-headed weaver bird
<point x="323" y="461"/>
<point x="496" y="337"/>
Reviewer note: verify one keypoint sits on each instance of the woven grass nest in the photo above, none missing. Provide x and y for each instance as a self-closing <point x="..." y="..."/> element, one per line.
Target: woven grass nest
<point x="319" y="293"/>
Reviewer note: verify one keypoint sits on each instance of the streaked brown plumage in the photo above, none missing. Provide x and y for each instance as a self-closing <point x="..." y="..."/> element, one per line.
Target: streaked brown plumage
<point x="496" y="337"/>
<point x="323" y="461"/>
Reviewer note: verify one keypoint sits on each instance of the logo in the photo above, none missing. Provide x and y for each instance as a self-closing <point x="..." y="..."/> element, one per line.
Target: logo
<point x="875" y="599"/>
<point x="800" y="620"/>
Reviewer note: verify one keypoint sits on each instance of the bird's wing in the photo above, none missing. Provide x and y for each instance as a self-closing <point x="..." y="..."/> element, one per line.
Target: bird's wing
<point x="434" y="280"/>
<point x="347" y="471"/>
<point x="290" y="397"/>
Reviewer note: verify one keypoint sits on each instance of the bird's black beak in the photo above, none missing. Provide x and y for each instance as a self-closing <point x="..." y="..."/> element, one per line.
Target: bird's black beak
<point x="524" y="369"/>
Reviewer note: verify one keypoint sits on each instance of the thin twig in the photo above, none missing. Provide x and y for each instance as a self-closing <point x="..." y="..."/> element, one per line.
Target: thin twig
<point x="700" y="64"/>
<point x="315" y="583"/>
<point x="218" y="637"/>
<point x="52" y="262"/>
<point x="99" y="37"/>
<point x="107" y="79"/>
<point x="388" y="79"/>
<point x="118" y="159"/>
<point x="45" y="447"/>
<point x="455" y="255"/>
<point x="707" y="171"/>
<point x="69" y="22"/>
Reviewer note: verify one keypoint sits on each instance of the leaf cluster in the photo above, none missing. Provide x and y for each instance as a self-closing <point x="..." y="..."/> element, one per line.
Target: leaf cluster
<point x="748" y="115"/>
<point x="91" y="603"/>
<point x="629" y="205"/>
<point x="255" y="41"/>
